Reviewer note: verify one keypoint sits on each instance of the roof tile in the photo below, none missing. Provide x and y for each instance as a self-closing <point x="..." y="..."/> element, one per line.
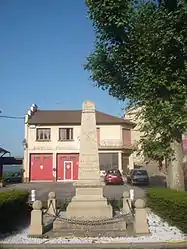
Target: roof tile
<point x="59" y="117"/>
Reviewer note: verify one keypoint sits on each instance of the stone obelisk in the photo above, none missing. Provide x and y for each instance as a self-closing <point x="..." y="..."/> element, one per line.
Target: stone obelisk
<point x="88" y="202"/>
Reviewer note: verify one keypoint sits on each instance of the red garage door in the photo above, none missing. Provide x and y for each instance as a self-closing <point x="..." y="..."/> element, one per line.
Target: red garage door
<point x="41" y="166"/>
<point x="67" y="167"/>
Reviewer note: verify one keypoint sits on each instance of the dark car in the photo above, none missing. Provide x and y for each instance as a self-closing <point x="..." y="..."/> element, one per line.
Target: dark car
<point x="138" y="177"/>
<point x="13" y="178"/>
<point x="113" y="176"/>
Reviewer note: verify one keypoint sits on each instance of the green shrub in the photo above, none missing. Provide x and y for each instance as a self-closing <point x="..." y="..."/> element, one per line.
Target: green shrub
<point x="13" y="205"/>
<point x="116" y="204"/>
<point x="170" y="205"/>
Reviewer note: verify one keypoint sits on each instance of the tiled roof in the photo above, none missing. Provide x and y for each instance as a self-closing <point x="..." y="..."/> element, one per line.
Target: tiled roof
<point x="55" y="117"/>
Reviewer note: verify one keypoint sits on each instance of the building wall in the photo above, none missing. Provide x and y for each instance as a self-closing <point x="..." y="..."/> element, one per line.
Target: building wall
<point x="54" y="144"/>
<point x="136" y="134"/>
<point x="110" y="132"/>
<point x="132" y="115"/>
<point x="110" y="136"/>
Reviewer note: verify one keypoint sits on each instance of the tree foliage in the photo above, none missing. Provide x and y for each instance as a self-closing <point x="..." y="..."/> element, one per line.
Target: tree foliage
<point x="140" y="54"/>
<point x="154" y="150"/>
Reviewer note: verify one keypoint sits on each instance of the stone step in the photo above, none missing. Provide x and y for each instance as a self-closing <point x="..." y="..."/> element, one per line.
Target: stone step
<point x="89" y="233"/>
<point x="111" y="229"/>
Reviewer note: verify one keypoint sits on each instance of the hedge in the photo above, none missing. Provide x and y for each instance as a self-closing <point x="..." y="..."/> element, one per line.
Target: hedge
<point x="170" y="205"/>
<point x="13" y="206"/>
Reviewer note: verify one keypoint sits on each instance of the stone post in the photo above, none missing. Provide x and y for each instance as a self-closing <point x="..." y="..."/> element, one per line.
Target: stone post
<point x="131" y="196"/>
<point x="33" y="195"/>
<point x="36" y="225"/>
<point x="140" y="223"/>
<point x="126" y="203"/>
<point x="51" y="203"/>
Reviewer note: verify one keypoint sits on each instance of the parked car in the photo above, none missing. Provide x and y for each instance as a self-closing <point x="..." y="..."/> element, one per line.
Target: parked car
<point x="12" y="177"/>
<point x="138" y="177"/>
<point x="113" y="176"/>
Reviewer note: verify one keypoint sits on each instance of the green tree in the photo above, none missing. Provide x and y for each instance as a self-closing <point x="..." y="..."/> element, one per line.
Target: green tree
<point x="140" y="54"/>
<point x="154" y="150"/>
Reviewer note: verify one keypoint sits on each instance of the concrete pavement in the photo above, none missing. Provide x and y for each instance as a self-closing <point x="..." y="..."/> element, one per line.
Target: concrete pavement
<point x="66" y="190"/>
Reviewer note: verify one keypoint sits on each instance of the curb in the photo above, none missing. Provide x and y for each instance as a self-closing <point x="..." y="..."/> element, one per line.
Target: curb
<point x="122" y="245"/>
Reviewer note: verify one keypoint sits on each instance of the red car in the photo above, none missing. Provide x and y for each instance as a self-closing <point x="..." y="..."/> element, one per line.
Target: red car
<point x="113" y="176"/>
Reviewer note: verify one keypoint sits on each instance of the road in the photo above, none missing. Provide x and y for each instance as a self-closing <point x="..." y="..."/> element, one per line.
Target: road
<point x="66" y="190"/>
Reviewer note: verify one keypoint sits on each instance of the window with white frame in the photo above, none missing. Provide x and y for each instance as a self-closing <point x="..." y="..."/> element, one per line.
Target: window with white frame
<point x="108" y="161"/>
<point x="65" y="134"/>
<point x="43" y="134"/>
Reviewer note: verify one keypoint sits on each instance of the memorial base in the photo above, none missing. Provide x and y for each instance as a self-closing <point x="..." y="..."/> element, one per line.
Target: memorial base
<point x="89" y="204"/>
<point x="65" y="229"/>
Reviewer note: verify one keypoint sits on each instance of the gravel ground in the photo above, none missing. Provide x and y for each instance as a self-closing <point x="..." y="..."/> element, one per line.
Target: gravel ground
<point x="160" y="232"/>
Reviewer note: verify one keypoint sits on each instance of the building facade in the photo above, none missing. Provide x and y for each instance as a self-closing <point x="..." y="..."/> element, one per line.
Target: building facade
<point x="52" y="141"/>
<point x="132" y="115"/>
<point x="136" y="134"/>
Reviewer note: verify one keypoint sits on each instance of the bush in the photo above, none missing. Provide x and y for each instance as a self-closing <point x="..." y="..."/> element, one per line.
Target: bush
<point x="13" y="206"/>
<point x="116" y="205"/>
<point x="170" y="205"/>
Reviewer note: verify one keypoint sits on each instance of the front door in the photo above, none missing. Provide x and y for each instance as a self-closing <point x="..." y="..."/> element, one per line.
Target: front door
<point x="67" y="167"/>
<point x="68" y="170"/>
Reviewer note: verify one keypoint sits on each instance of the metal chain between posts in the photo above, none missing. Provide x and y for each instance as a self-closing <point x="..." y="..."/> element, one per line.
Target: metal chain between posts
<point x="85" y="222"/>
<point x="50" y="204"/>
<point x="30" y="203"/>
<point x="130" y="207"/>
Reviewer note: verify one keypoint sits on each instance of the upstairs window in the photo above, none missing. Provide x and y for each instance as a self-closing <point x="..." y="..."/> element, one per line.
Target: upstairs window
<point x="43" y="134"/>
<point x="126" y="134"/>
<point x="65" y="134"/>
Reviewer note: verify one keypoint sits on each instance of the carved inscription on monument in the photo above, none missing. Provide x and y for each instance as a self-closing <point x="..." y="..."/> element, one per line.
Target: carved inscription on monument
<point x="89" y="158"/>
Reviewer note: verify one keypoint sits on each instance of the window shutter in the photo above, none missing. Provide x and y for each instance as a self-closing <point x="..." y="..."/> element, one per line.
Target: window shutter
<point x="126" y="136"/>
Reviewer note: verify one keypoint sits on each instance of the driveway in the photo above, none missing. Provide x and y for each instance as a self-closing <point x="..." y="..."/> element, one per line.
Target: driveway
<point x="66" y="190"/>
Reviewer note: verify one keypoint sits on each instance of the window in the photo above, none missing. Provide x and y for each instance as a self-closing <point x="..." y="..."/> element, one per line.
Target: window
<point x="114" y="172"/>
<point x="126" y="133"/>
<point x="43" y="134"/>
<point x="65" y="134"/>
<point x="108" y="161"/>
<point x="139" y="172"/>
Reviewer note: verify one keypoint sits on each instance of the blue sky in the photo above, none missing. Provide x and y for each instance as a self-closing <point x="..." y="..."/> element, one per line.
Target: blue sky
<point x="43" y="46"/>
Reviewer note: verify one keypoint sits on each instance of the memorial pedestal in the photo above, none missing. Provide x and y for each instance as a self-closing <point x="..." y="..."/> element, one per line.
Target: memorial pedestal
<point x="89" y="204"/>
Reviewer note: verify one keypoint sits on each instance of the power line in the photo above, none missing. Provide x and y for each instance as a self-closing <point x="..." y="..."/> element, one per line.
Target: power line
<point x="11" y="117"/>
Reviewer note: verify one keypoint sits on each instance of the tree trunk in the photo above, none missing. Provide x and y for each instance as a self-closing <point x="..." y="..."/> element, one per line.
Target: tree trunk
<point x="169" y="173"/>
<point x="160" y="165"/>
<point x="175" y="168"/>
